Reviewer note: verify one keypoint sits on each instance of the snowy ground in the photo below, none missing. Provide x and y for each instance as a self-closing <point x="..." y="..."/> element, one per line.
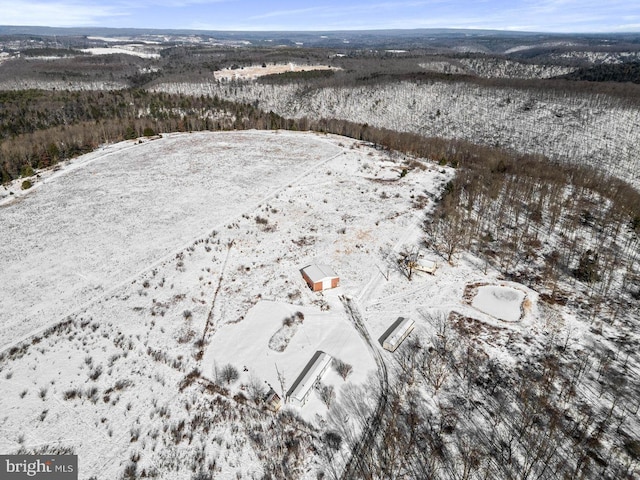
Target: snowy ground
<point x="156" y="260"/>
<point x="247" y="345"/>
<point x="130" y="252"/>
<point x="504" y="303"/>
<point x="80" y="233"/>
<point x="137" y="50"/>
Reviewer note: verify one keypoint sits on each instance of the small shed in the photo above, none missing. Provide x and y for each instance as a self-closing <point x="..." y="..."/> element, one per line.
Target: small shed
<point x="273" y="401"/>
<point x="310" y="375"/>
<point x="426" y="266"/>
<point x="397" y="332"/>
<point x="320" y="277"/>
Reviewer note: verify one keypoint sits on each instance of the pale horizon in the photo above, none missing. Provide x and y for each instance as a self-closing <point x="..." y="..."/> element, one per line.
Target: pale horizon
<point x="546" y="16"/>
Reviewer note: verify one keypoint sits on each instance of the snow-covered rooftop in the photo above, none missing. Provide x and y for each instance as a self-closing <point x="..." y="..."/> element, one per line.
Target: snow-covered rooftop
<point x="318" y="273"/>
<point x="402" y="327"/>
<point x="308" y="377"/>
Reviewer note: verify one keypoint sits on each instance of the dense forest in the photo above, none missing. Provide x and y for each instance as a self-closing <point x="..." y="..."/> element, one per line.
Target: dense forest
<point x="41" y="128"/>
<point x="621" y="72"/>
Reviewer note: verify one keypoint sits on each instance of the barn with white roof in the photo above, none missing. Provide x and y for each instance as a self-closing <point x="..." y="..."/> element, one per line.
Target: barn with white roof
<point x="320" y="277"/>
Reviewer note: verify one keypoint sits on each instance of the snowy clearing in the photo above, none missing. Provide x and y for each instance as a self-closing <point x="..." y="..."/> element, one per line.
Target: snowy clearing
<point x="141" y="249"/>
<point x="135" y="50"/>
<point x="85" y="230"/>
<point x="245" y="345"/>
<point x="255" y="71"/>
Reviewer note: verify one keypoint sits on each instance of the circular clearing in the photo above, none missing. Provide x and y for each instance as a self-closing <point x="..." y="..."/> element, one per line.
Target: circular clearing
<point x="504" y="303"/>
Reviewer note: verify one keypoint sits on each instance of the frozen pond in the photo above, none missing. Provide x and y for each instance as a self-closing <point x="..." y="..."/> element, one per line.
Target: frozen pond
<point x="504" y="303"/>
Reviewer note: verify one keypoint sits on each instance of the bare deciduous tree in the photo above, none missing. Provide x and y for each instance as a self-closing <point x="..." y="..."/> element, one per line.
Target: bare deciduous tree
<point x="327" y="394"/>
<point x="343" y="369"/>
<point x="408" y="261"/>
<point x="229" y="373"/>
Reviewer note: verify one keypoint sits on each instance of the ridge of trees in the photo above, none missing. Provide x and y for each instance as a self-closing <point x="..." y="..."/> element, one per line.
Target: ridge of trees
<point x="41" y="128"/>
<point x="51" y="52"/>
<point x="621" y="72"/>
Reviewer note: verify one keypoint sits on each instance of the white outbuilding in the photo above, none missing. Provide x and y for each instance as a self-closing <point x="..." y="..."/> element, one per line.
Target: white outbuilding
<point x="400" y="329"/>
<point x="310" y="375"/>
<point x="426" y="266"/>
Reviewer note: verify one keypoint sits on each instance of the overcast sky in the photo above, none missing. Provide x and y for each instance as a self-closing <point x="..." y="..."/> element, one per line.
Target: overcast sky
<point x="525" y="15"/>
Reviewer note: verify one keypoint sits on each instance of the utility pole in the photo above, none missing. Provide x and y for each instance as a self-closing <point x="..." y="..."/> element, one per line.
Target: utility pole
<point x="281" y="381"/>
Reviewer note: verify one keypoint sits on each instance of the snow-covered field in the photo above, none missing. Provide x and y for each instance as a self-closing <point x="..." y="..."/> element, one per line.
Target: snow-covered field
<point x="125" y="39"/>
<point x="255" y="71"/>
<point x="133" y="49"/>
<point x="521" y="48"/>
<point x="247" y="344"/>
<point x="156" y="265"/>
<point x="86" y="230"/>
<point x="133" y="253"/>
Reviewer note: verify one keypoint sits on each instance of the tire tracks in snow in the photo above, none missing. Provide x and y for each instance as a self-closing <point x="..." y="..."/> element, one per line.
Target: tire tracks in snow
<point x="368" y="437"/>
<point x="366" y="441"/>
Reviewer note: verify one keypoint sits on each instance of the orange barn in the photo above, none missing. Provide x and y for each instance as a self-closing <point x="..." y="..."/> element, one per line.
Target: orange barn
<point x="320" y="277"/>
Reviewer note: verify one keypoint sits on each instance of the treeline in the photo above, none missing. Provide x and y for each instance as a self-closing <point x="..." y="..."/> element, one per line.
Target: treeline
<point x="620" y="72"/>
<point x="75" y="68"/>
<point x="556" y="228"/>
<point x="51" y="52"/>
<point x="41" y="128"/>
<point x="27" y="111"/>
<point x="288" y="77"/>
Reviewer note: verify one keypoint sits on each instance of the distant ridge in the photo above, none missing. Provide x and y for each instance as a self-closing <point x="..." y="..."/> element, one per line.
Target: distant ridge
<point x="42" y="30"/>
<point x="435" y="39"/>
